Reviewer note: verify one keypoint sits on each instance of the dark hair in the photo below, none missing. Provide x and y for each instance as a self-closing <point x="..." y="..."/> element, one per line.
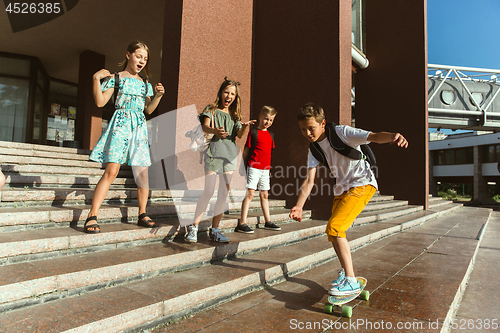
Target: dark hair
<point x="235" y="107"/>
<point x="311" y="110"/>
<point x="131" y="49"/>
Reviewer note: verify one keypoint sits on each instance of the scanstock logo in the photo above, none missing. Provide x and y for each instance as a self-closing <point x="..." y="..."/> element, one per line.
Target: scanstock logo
<point x="29" y="14"/>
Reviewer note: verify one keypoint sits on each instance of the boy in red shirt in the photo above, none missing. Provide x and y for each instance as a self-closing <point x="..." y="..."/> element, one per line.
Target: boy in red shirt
<point x="258" y="153"/>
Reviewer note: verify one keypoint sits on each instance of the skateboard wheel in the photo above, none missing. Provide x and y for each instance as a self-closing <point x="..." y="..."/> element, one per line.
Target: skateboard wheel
<point x="346" y="311"/>
<point x="365" y="295"/>
<point x="328" y="308"/>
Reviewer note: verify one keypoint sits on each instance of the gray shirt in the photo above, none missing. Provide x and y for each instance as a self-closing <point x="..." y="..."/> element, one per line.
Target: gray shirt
<point x="223" y="147"/>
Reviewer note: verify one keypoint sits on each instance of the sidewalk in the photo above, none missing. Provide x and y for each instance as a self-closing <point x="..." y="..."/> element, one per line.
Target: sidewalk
<point x="478" y="310"/>
<point x="413" y="279"/>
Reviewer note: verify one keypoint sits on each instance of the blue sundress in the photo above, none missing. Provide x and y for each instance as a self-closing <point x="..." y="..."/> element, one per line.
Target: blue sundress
<point x="125" y="140"/>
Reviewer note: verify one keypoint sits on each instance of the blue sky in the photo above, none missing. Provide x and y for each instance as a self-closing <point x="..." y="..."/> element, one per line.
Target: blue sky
<point x="463" y="33"/>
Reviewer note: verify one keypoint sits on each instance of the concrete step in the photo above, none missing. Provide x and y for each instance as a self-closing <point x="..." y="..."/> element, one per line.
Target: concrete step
<point x="26" y="149"/>
<point x="380" y="198"/>
<point x="53" y="159"/>
<point x="162" y="298"/>
<point x="67" y="276"/>
<point x="36" y="180"/>
<point x="385" y="214"/>
<point x="71" y="195"/>
<point x="438" y="201"/>
<point x="58" y="170"/>
<point x="412" y="278"/>
<point x="30" y="165"/>
<point x="31" y="245"/>
<point x="384" y="204"/>
<point x="38" y="217"/>
<point x="65" y="197"/>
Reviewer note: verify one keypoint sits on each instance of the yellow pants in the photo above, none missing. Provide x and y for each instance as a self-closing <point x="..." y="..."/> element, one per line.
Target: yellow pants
<point x="346" y="207"/>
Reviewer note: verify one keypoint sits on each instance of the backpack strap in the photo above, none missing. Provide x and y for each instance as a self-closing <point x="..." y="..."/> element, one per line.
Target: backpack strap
<point x="254" y="132"/>
<point x="116" y="89"/>
<point x="319" y="154"/>
<point x="272" y="140"/>
<point x="145" y="87"/>
<point x="340" y="146"/>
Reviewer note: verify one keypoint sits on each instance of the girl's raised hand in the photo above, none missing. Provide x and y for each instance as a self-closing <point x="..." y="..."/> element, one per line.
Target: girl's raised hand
<point x="159" y="89"/>
<point x="248" y="123"/>
<point x="103" y="73"/>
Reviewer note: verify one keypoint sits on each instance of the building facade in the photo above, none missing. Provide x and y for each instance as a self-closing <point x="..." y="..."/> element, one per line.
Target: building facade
<point x="284" y="54"/>
<point x="467" y="158"/>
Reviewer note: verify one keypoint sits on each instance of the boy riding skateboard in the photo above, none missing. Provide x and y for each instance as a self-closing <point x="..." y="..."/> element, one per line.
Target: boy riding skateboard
<point x="355" y="184"/>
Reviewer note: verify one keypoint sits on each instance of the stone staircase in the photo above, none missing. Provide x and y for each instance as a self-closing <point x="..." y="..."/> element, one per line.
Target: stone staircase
<point x="56" y="278"/>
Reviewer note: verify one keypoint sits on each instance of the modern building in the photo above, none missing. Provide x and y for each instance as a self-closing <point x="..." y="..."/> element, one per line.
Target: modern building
<point x="466" y="158"/>
<point x="284" y="53"/>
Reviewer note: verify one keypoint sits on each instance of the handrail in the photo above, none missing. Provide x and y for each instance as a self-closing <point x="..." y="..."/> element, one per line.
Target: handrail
<point x="462" y="75"/>
<point x="359" y="58"/>
<point x="465" y="69"/>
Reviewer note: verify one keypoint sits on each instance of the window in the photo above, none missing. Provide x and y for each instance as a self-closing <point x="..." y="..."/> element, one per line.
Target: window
<point x="448" y="97"/>
<point x="491" y="154"/>
<point x="23" y="92"/>
<point x="358" y="36"/>
<point x="439" y="157"/>
<point x="477" y="97"/>
<point x="470" y="155"/>
<point x="460" y="156"/>
<point x="13" y="108"/>
<point x="454" y="156"/>
<point x="449" y="156"/>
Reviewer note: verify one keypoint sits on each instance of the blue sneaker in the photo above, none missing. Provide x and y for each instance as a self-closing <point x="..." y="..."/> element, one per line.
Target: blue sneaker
<point x="217" y="236"/>
<point x="348" y="287"/>
<point x="340" y="278"/>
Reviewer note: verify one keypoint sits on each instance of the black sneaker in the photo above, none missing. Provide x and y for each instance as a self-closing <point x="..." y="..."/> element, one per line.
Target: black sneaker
<point x="271" y="226"/>
<point x="244" y="229"/>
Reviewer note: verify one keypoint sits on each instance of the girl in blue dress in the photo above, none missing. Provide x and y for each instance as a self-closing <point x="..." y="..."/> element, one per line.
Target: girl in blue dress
<point x="125" y="140"/>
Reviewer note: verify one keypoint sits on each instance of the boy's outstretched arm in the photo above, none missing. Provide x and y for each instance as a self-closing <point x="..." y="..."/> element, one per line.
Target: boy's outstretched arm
<point x="305" y="190"/>
<point x="386" y="137"/>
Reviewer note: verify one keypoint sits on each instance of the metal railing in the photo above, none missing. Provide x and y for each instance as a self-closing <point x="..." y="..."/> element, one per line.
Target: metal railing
<point x="467" y="97"/>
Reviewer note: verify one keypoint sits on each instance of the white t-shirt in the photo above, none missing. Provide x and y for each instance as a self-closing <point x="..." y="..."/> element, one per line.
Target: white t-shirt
<point x="348" y="172"/>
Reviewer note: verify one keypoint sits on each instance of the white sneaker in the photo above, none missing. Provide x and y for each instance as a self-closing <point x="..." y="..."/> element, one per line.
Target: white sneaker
<point x="217" y="236"/>
<point x="192" y="236"/>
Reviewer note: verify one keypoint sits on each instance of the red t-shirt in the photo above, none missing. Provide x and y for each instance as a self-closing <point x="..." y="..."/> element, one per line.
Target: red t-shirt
<point x="261" y="155"/>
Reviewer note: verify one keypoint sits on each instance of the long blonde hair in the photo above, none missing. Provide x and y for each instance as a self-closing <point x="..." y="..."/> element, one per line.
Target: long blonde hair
<point x="131" y="49"/>
<point x="235" y="107"/>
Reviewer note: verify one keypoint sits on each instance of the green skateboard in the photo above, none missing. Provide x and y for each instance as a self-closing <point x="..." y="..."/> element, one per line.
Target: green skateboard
<point x="337" y="302"/>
